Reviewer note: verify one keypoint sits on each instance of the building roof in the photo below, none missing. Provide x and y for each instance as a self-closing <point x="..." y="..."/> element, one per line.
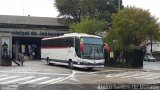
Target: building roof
<point x="7" y="19"/>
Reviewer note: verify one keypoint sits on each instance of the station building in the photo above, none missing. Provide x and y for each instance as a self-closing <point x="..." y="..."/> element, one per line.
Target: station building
<point x="27" y="32"/>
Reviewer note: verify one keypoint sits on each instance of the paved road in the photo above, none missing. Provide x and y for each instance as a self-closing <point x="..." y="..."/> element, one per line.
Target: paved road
<point x="40" y="76"/>
<point x="151" y="66"/>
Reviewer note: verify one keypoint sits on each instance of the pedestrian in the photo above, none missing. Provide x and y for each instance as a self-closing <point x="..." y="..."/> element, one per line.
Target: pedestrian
<point x="5" y="48"/>
<point x="21" y="58"/>
<point x="106" y="52"/>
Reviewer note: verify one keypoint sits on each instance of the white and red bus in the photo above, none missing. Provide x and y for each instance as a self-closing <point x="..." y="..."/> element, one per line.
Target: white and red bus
<point x="75" y="50"/>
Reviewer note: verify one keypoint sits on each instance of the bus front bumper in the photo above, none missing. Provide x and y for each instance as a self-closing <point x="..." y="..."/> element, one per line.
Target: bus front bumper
<point x="88" y="66"/>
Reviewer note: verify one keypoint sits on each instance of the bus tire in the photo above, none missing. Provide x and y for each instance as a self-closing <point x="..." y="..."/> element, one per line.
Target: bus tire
<point x="70" y="64"/>
<point x="48" y="61"/>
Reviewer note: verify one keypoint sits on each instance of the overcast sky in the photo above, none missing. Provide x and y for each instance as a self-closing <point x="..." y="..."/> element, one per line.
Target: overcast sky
<point x="152" y="5"/>
<point x="45" y="8"/>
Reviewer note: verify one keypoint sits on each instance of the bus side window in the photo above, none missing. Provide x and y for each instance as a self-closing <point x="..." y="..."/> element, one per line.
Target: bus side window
<point x="70" y="41"/>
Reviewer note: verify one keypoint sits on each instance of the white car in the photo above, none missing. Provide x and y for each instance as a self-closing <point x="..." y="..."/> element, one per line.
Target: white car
<point x="149" y="58"/>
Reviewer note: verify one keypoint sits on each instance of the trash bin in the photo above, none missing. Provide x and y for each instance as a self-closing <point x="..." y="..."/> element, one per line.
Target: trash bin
<point x="6" y="61"/>
<point x="137" y="58"/>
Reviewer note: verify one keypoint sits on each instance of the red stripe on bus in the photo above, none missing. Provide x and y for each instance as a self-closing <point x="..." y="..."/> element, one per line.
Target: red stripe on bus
<point x="54" y="47"/>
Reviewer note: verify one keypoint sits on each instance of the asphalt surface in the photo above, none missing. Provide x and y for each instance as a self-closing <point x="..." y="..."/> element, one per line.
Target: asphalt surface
<point x="37" y="75"/>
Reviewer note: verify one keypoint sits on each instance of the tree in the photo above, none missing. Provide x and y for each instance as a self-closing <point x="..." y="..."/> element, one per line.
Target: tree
<point x="69" y="9"/>
<point x="90" y="26"/>
<point x="130" y="27"/>
<point x="75" y="10"/>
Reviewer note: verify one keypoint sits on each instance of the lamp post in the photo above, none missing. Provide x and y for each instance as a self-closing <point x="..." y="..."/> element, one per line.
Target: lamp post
<point x="151" y="45"/>
<point x="79" y="16"/>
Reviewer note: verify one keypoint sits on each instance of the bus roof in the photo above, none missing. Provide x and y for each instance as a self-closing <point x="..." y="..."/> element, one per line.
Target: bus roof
<point x="73" y="35"/>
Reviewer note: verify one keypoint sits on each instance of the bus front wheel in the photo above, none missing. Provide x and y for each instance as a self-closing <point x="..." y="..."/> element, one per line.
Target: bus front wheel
<point x="70" y="64"/>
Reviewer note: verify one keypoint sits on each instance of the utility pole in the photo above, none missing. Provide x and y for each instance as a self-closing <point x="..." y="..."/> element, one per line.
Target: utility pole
<point x="151" y="45"/>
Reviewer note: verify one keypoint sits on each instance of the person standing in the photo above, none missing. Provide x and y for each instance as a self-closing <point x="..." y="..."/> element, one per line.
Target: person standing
<point x="5" y="49"/>
<point x="106" y="52"/>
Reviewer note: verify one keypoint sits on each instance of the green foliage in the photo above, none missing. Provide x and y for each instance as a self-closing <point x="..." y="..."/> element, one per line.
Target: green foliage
<point x="69" y="9"/>
<point x="90" y="26"/>
<point x="75" y="10"/>
<point x="130" y="27"/>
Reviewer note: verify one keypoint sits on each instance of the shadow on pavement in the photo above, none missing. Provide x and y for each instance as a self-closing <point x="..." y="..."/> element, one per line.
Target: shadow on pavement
<point x="75" y="68"/>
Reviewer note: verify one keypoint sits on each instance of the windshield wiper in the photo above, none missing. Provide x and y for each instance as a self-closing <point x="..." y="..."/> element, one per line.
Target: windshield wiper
<point x="98" y="53"/>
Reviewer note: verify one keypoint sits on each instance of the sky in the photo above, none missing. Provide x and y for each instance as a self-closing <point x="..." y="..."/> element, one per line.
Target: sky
<point x="45" y="8"/>
<point x="41" y="8"/>
<point x="152" y="5"/>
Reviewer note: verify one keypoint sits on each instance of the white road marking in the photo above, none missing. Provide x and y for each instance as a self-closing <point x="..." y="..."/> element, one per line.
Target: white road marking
<point x="49" y="81"/>
<point x="34" y="73"/>
<point x="34" y="80"/>
<point x="2" y="75"/>
<point x="73" y="73"/>
<point x="57" y="80"/>
<point x="5" y="78"/>
<point x="109" y="75"/>
<point x="154" y="76"/>
<point x="16" y="80"/>
<point x="52" y="81"/>
<point x="147" y="75"/>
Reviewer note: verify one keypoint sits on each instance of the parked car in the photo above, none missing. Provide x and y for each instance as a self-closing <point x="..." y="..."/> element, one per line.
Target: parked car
<point x="149" y="58"/>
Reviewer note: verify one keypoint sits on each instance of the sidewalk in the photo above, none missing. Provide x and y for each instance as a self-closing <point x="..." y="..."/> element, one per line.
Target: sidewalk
<point x="151" y="66"/>
<point x="147" y="66"/>
<point x="34" y="65"/>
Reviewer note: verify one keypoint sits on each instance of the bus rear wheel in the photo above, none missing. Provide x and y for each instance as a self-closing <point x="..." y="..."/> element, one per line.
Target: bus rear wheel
<point x="70" y="64"/>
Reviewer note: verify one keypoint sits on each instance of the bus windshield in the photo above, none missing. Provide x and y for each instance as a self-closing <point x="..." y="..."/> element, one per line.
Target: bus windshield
<point x="93" y="48"/>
